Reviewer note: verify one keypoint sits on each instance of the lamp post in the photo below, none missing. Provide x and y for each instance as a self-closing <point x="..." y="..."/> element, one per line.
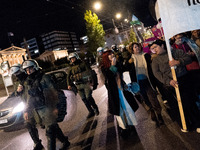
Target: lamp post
<point x="118" y="16"/>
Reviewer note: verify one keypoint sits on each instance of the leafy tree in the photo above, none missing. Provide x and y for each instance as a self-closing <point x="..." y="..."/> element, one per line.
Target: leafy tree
<point x="95" y="31"/>
<point x="132" y="38"/>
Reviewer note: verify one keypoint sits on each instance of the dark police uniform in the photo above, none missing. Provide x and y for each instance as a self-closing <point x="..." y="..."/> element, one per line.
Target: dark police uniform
<point x="80" y="74"/>
<point x="42" y="99"/>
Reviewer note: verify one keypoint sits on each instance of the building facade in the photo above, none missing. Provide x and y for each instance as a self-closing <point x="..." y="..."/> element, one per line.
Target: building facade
<point x="31" y="46"/>
<point x="52" y="56"/>
<point x="13" y="55"/>
<point x="58" y="40"/>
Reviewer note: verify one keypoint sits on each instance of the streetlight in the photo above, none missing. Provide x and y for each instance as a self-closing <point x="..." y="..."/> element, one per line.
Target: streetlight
<point x="97" y="5"/>
<point x="118" y="15"/>
<point x="126" y="20"/>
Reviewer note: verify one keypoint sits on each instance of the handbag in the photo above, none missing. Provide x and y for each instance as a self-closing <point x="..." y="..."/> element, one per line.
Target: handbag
<point x="193" y="66"/>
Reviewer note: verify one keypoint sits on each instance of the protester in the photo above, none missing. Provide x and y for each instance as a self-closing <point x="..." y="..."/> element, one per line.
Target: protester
<point x="161" y="69"/>
<point x="190" y="47"/>
<point x="80" y="74"/>
<point x="117" y="101"/>
<point x="146" y="81"/>
<point x="41" y="103"/>
<point x="196" y="37"/>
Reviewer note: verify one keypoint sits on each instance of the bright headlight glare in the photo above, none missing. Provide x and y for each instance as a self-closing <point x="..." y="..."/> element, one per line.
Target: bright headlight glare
<point x="19" y="107"/>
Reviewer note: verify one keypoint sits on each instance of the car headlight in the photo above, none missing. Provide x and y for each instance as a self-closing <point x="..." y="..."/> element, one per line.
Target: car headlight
<point x="18" y="108"/>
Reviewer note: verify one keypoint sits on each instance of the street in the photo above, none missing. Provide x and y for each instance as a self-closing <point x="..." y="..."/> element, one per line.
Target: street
<point x="101" y="132"/>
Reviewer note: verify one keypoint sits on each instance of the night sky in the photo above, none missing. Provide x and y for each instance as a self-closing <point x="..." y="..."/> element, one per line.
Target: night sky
<point x="29" y="18"/>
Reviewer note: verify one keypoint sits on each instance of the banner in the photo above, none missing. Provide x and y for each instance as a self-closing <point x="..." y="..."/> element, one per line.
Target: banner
<point x="179" y="16"/>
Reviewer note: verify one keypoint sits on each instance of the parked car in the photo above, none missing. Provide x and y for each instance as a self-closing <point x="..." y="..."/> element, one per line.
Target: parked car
<point x="11" y="110"/>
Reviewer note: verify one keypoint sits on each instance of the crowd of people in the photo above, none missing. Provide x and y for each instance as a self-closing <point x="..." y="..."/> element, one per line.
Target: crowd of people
<point x="150" y="72"/>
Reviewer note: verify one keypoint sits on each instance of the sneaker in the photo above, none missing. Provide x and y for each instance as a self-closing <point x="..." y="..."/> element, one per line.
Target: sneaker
<point x="96" y="111"/>
<point x="38" y="146"/>
<point x="66" y="144"/>
<point x="198" y="130"/>
<point x="91" y="114"/>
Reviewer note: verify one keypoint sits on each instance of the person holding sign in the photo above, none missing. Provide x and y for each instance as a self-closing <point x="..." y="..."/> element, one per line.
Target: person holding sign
<point x="161" y="69"/>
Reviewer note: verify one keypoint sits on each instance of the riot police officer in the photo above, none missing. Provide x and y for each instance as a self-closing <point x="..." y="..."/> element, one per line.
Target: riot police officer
<point x="99" y="56"/>
<point x="80" y="74"/>
<point x="42" y="99"/>
<point x="19" y="77"/>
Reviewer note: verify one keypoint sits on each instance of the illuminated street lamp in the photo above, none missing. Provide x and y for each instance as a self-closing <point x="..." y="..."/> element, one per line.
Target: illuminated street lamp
<point x="126" y="20"/>
<point x="118" y="15"/>
<point x="97" y="5"/>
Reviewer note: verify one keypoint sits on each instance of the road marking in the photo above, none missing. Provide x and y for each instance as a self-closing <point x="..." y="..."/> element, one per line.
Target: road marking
<point x="6" y="146"/>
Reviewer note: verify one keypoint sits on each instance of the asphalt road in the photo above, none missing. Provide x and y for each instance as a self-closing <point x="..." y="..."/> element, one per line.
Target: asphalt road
<point x="101" y="132"/>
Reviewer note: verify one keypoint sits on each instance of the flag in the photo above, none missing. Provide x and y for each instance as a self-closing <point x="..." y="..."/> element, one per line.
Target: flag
<point x="10" y="34"/>
<point x="179" y="16"/>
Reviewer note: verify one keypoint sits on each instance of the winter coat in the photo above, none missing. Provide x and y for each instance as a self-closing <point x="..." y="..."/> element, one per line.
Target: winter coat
<point x="150" y="76"/>
<point x="113" y="94"/>
<point x="162" y="70"/>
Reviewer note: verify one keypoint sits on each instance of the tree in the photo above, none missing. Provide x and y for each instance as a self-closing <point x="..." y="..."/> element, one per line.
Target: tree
<point x="132" y="38"/>
<point x="94" y="30"/>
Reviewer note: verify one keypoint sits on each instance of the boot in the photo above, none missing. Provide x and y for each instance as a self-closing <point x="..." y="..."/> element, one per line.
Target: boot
<point x="160" y="119"/>
<point x="38" y="146"/>
<point x="51" y="143"/>
<point x="51" y="137"/>
<point x="94" y="105"/>
<point x="91" y="114"/>
<point x="96" y="111"/>
<point x="33" y="131"/>
<point x="87" y="104"/>
<point x="66" y="144"/>
<point x="153" y="115"/>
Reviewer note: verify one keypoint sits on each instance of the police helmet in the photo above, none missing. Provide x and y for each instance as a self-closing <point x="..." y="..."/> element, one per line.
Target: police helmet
<point x="30" y="63"/>
<point x="106" y="49"/>
<point x="74" y="54"/>
<point x="99" y="49"/>
<point x="122" y="46"/>
<point x="113" y="46"/>
<point x="15" y="68"/>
